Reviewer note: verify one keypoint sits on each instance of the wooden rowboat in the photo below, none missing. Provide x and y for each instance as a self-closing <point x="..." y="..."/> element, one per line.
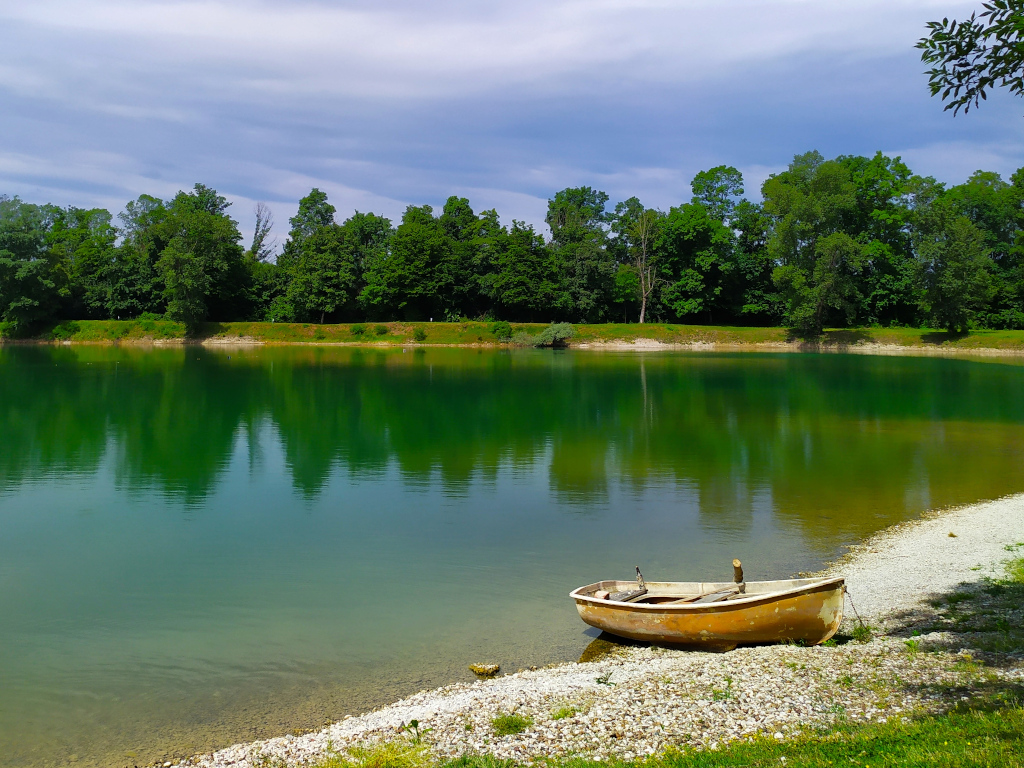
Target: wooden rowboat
<point x="715" y="615"/>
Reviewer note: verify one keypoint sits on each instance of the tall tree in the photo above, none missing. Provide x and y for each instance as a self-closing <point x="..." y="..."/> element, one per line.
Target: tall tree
<point x="814" y="205"/>
<point x="718" y="190"/>
<point x="202" y="261"/>
<point x="829" y="284"/>
<point x="521" y="284"/>
<point x="135" y="284"/>
<point x="29" y="289"/>
<point x="956" y="267"/>
<point x="324" y="275"/>
<point x="410" y="280"/>
<point x="638" y="229"/>
<point x="81" y="244"/>
<point x="695" y="251"/>
<point x="262" y="247"/>
<point x="578" y="219"/>
<point x="314" y="212"/>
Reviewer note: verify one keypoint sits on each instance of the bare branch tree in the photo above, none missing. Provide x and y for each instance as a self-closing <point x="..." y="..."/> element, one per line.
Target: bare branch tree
<point x="642" y="232"/>
<point x="262" y="244"/>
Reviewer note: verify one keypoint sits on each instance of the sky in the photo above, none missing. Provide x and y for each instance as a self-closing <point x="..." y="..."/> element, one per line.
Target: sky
<point x="387" y="103"/>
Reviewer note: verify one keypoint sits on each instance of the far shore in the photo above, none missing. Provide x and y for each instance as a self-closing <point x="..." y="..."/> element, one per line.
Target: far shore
<point x="648" y="337"/>
<point x="923" y="590"/>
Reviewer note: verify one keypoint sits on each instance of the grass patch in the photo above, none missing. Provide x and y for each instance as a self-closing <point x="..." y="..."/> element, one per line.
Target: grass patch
<point x="508" y="724"/>
<point x="563" y="712"/>
<point x="388" y="754"/>
<point x="957" y="740"/>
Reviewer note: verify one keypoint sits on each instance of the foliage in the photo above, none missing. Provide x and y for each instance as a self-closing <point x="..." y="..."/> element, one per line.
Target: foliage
<point x="65" y="331"/>
<point x="555" y="335"/>
<point x="419" y="335"/>
<point x="388" y="754"/>
<point x="851" y="241"/>
<point x="973" y="56"/>
<point x="357" y="329"/>
<point x="416" y="734"/>
<point x="510" y="724"/>
<point x="380" y="330"/>
<point x="502" y="330"/>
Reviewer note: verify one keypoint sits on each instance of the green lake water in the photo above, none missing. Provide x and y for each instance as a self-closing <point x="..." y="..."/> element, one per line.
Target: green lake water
<point x="202" y="546"/>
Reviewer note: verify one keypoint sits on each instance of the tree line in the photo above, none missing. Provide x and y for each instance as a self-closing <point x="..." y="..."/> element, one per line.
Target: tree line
<point x="848" y="241"/>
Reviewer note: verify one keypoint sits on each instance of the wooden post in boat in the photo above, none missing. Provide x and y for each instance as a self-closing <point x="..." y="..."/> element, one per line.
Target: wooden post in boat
<point x="737" y="576"/>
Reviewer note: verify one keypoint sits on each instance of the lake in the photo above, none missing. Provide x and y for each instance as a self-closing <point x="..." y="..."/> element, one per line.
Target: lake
<point x="201" y="546"/>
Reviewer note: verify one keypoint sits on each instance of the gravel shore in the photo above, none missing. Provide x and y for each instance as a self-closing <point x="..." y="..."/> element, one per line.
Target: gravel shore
<point x="633" y="701"/>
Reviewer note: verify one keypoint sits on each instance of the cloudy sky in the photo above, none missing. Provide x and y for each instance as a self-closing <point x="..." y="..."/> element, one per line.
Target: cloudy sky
<point x="383" y="103"/>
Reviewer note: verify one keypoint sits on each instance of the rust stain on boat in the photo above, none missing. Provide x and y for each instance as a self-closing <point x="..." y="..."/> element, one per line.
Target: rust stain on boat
<point x="797" y="610"/>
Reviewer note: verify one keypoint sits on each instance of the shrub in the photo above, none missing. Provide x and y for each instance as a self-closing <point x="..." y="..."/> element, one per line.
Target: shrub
<point x="502" y="330"/>
<point x="150" y="316"/>
<point x="555" y="335"/>
<point x="358" y="329"/>
<point x="380" y="330"/>
<point x="523" y="339"/>
<point x="419" y="334"/>
<point x="65" y="330"/>
<point x="506" y="725"/>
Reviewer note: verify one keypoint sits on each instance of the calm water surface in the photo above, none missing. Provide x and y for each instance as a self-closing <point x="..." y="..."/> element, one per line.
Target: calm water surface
<point x="203" y="546"/>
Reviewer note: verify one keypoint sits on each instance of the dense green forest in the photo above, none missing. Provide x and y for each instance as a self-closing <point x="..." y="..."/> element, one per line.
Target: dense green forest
<point x="849" y="241"/>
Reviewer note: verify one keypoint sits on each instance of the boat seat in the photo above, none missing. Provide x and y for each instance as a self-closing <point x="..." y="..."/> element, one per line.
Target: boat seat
<point x="711" y="597"/>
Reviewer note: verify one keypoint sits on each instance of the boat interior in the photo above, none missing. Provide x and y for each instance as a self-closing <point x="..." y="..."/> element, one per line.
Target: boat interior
<point x="683" y="593"/>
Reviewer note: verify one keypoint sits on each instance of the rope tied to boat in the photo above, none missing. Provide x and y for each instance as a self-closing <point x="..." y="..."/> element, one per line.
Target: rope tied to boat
<point x="846" y="592"/>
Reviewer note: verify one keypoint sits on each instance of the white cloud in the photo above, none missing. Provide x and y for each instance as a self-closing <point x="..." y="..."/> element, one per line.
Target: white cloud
<point x="424" y="51"/>
<point x="390" y="102"/>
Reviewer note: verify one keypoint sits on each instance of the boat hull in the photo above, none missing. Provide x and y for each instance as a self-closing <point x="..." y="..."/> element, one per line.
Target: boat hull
<point x="808" y="611"/>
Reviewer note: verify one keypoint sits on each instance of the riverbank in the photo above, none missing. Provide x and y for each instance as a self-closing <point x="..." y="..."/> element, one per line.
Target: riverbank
<point x="617" y="336"/>
<point x="945" y="628"/>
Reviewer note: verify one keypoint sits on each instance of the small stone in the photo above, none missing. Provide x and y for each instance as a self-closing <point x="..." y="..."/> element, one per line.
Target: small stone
<point x="484" y="670"/>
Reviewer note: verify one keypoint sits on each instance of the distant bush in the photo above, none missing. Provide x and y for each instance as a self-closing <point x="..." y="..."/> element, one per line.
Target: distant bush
<point x="555" y="335"/>
<point x="380" y="330"/>
<point x="6" y="330"/>
<point x="65" y="330"/>
<point x="419" y="334"/>
<point x="502" y="330"/>
<point x="358" y="329"/>
<point x="150" y="316"/>
<point x="522" y="339"/>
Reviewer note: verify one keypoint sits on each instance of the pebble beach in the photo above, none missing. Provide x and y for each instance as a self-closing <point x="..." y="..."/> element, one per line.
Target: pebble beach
<point x="631" y="701"/>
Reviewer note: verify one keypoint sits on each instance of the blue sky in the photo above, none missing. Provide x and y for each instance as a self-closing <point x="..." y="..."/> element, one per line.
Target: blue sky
<point x="393" y="102"/>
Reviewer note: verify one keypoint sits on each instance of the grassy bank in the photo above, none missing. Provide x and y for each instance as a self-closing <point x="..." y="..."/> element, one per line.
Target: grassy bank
<point x="477" y="333"/>
<point x="971" y="736"/>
